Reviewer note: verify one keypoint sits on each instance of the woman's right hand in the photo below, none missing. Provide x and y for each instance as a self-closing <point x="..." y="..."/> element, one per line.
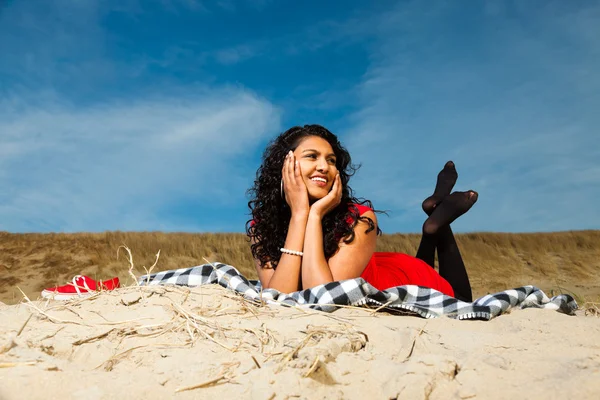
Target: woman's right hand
<point x="296" y="194"/>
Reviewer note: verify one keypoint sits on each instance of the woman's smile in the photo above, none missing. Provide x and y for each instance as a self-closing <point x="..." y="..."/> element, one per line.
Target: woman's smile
<point x="317" y="163"/>
<point x="319" y="180"/>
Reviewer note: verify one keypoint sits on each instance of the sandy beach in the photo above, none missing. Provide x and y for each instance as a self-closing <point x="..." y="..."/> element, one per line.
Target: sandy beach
<point x="207" y="342"/>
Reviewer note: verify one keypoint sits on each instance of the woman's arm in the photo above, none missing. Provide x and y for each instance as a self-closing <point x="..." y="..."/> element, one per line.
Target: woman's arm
<point x="286" y="278"/>
<point x="350" y="260"/>
<point x="315" y="269"/>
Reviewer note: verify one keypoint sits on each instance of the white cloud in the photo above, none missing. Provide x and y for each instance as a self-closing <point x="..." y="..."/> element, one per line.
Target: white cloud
<point x="515" y="108"/>
<point x="114" y="165"/>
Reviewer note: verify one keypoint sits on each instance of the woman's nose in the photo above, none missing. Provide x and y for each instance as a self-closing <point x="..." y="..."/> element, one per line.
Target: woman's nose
<point x="322" y="165"/>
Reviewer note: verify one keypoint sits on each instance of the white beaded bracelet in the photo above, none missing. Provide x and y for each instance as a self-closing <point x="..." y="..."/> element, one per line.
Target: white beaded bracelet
<point x="292" y="252"/>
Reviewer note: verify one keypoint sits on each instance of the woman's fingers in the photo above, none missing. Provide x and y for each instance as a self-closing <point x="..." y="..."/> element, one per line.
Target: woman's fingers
<point x="335" y="187"/>
<point x="291" y="169"/>
<point x="336" y="190"/>
<point x="286" y="167"/>
<point x="339" y="189"/>
<point x="298" y="174"/>
<point x="334" y="194"/>
<point x="292" y="176"/>
<point x="285" y="175"/>
<point x="331" y="200"/>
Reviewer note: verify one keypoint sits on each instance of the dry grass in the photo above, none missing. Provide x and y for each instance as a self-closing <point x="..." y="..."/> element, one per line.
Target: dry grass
<point x="186" y="321"/>
<point x="556" y="262"/>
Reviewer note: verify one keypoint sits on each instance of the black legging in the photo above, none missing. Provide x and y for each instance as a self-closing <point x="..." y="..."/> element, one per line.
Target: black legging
<point x="452" y="268"/>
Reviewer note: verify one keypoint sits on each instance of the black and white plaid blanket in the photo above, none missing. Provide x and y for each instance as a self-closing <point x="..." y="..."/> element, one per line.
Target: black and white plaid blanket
<point x="426" y="302"/>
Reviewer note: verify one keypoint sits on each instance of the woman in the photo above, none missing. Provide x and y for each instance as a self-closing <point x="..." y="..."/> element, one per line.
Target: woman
<point x="308" y="229"/>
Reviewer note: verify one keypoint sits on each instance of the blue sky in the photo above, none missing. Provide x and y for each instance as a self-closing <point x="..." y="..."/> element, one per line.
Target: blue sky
<point x="152" y="115"/>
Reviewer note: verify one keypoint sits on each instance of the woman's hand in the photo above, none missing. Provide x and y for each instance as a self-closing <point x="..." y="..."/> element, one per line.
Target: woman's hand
<point x="296" y="194"/>
<point x="322" y="206"/>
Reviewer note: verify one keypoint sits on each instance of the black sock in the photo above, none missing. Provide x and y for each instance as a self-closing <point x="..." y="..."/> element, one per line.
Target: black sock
<point x="452" y="207"/>
<point x="445" y="182"/>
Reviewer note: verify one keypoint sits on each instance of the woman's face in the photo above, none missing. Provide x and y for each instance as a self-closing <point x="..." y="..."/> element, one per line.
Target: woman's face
<point x="317" y="166"/>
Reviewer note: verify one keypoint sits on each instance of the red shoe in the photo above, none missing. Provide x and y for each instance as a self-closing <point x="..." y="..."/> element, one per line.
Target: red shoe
<point x="81" y="286"/>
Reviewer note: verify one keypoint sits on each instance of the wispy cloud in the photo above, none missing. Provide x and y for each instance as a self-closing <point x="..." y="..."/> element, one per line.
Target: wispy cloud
<point x="514" y="107"/>
<point x="114" y="166"/>
<point x="79" y="151"/>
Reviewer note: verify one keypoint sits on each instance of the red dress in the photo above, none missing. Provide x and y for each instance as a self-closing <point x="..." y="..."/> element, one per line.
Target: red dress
<point x="386" y="270"/>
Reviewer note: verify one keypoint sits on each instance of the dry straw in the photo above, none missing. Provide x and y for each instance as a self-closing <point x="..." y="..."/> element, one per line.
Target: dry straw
<point x="355" y="339"/>
<point x="131" y="266"/>
<point x="224" y="375"/>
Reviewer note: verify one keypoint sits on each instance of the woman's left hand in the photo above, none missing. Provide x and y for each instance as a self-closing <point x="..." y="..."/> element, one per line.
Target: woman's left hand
<point x="322" y="206"/>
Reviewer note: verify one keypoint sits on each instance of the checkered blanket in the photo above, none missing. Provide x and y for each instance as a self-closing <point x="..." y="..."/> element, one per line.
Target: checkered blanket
<point x="426" y="302"/>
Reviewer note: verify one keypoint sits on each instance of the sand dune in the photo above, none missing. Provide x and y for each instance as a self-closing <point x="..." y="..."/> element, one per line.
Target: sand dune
<point x="207" y="342"/>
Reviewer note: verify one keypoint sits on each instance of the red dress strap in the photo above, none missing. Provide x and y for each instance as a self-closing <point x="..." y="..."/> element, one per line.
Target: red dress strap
<point x="361" y="210"/>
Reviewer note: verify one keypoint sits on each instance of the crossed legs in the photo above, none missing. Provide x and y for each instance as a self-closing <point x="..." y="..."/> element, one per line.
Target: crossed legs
<point x="443" y="208"/>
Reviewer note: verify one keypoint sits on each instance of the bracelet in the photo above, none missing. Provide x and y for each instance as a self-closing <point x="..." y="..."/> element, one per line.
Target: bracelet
<point x="292" y="252"/>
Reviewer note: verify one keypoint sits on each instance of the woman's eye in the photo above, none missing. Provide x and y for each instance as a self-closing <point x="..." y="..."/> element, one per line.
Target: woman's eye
<point x="311" y="156"/>
<point x="331" y="161"/>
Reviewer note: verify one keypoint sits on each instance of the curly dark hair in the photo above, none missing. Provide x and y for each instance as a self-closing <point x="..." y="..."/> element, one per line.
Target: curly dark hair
<point x="271" y="214"/>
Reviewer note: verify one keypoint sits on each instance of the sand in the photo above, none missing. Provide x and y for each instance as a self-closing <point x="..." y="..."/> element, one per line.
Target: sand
<point x="206" y="342"/>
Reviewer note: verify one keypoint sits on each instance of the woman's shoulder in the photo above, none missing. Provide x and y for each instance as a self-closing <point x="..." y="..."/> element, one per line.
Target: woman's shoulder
<point x="361" y="208"/>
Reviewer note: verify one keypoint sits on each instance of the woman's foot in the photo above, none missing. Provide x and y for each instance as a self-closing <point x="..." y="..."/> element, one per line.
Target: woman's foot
<point x="453" y="206"/>
<point x="445" y="182"/>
